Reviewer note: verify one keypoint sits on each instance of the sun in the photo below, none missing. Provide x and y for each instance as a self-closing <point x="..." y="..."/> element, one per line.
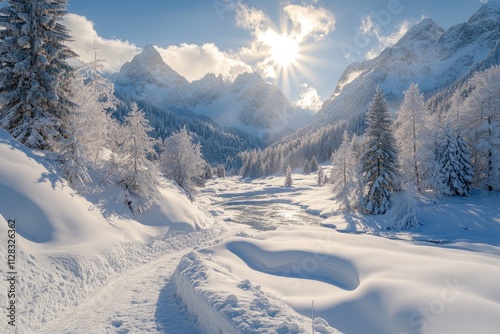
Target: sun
<point x="284" y="50"/>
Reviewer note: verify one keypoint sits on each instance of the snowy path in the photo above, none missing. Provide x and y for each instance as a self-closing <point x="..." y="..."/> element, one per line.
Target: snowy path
<point x="141" y="300"/>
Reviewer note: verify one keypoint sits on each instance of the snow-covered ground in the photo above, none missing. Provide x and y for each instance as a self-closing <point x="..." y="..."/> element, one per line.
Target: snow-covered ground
<point x="442" y="278"/>
<point x="68" y="251"/>
<point x="248" y="257"/>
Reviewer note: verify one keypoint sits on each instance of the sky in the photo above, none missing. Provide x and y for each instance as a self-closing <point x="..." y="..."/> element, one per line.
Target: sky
<point x="301" y="46"/>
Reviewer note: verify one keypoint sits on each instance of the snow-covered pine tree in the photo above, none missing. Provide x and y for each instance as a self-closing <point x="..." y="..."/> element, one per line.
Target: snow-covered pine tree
<point x="482" y="121"/>
<point x="137" y="174"/>
<point x="209" y="172"/>
<point x="33" y="71"/>
<point x="466" y="171"/>
<point x="455" y="171"/>
<point x="314" y="164"/>
<point x="182" y="162"/>
<point x="379" y="159"/>
<point x="404" y="212"/>
<point x="221" y="171"/>
<point x="413" y="139"/>
<point x="307" y="167"/>
<point x="288" y="177"/>
<point x="74" y="161"/>
<point x="321" y="176"/>
<point x="355" y="150"/>
<point x="342" y="173"/>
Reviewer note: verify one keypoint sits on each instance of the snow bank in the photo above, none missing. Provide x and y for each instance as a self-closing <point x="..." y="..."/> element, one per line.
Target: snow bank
<point x="359" y="283"/>
<point x="48" y="284"/>
<point x="226" y="303"/>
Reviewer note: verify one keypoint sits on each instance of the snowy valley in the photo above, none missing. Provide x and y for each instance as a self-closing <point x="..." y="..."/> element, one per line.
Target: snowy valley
<point x="210" y="267"/>
<point x="141" y="202"/>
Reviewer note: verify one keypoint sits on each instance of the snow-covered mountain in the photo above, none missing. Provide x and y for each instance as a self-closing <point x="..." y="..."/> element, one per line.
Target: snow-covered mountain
<point x="253" y="105"/>
<point x="427" y="54"/>
<point x="148" y="77"/>
<point x="249" y="103"/>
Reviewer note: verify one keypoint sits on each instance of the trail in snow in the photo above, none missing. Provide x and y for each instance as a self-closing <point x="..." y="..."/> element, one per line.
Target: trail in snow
<point x="142" y="300"/>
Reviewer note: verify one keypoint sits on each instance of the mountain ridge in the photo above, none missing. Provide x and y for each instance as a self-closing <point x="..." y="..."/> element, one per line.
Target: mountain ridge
<point x="427" y="54"/>
<point x="249" y="103"/>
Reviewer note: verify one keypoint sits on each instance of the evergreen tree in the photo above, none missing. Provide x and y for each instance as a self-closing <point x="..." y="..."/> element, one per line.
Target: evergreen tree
<point x="34" y="71"/>
<point x="343" y="174"/>
<point x="355" y="150"/>
<point x="466" y="171"/>
<point x="182" y="162"/>
<point x="404" y="213"/>
<point x="413" y="139"/>
<point x="75" y="162"/>
<point x="455" y="171"/>
<point x="321" y="177"/>
<point x="209" y="173"/>
<point x="379" y="160"/>
<point x="314" y="164"/>
<point x="288" y="177"/>
<point x="137" y="175"/>
<point x="482" y="117"/>
<point x="307" y="167"/>
<point x="221" y="171"/>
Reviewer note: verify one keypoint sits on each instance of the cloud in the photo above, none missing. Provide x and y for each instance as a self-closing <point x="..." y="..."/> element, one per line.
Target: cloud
<point x="194" y="61"/>
<point x="250" y="18"/>
<point x="114" y="52"/>
<point x="189" y="60"/>
<point x="309" y="21"/>
<point x="370" y="29"/>
<point x="309" y="98"/>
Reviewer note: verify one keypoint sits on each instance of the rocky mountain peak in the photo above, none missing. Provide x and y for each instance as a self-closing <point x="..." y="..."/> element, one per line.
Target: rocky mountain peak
<point x="427" y="30"/>
<point x="489" y="11"/>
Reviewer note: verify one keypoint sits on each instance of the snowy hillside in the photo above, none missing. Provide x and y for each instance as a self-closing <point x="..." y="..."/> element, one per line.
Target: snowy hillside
<point x="426" y="54"/>
<point x="249" y="103"/>
<point x="67" y="246"/>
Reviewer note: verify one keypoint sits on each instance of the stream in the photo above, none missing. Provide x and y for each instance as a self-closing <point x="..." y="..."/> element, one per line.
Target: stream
<point x="269" y="216"/>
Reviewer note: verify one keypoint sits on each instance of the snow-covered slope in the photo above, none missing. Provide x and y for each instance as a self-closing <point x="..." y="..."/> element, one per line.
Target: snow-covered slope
<point x="426" y="54"/>
<point x="249" y="103"/>
<point x="48" y="210"/>
<point x="65" y="246"/>
<point x="44" y="207"/>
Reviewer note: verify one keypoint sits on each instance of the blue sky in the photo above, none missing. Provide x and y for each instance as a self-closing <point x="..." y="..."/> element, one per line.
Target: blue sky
<point x="229" y="36"/>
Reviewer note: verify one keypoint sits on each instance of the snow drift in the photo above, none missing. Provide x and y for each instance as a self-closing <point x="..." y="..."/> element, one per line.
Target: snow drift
<point x="226" y="303"/>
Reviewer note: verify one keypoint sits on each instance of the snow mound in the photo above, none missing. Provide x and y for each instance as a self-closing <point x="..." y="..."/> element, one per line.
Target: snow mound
<point x="224" y="303"/>
<point x="175" y="212"/>
<point x="334" y="270"/>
